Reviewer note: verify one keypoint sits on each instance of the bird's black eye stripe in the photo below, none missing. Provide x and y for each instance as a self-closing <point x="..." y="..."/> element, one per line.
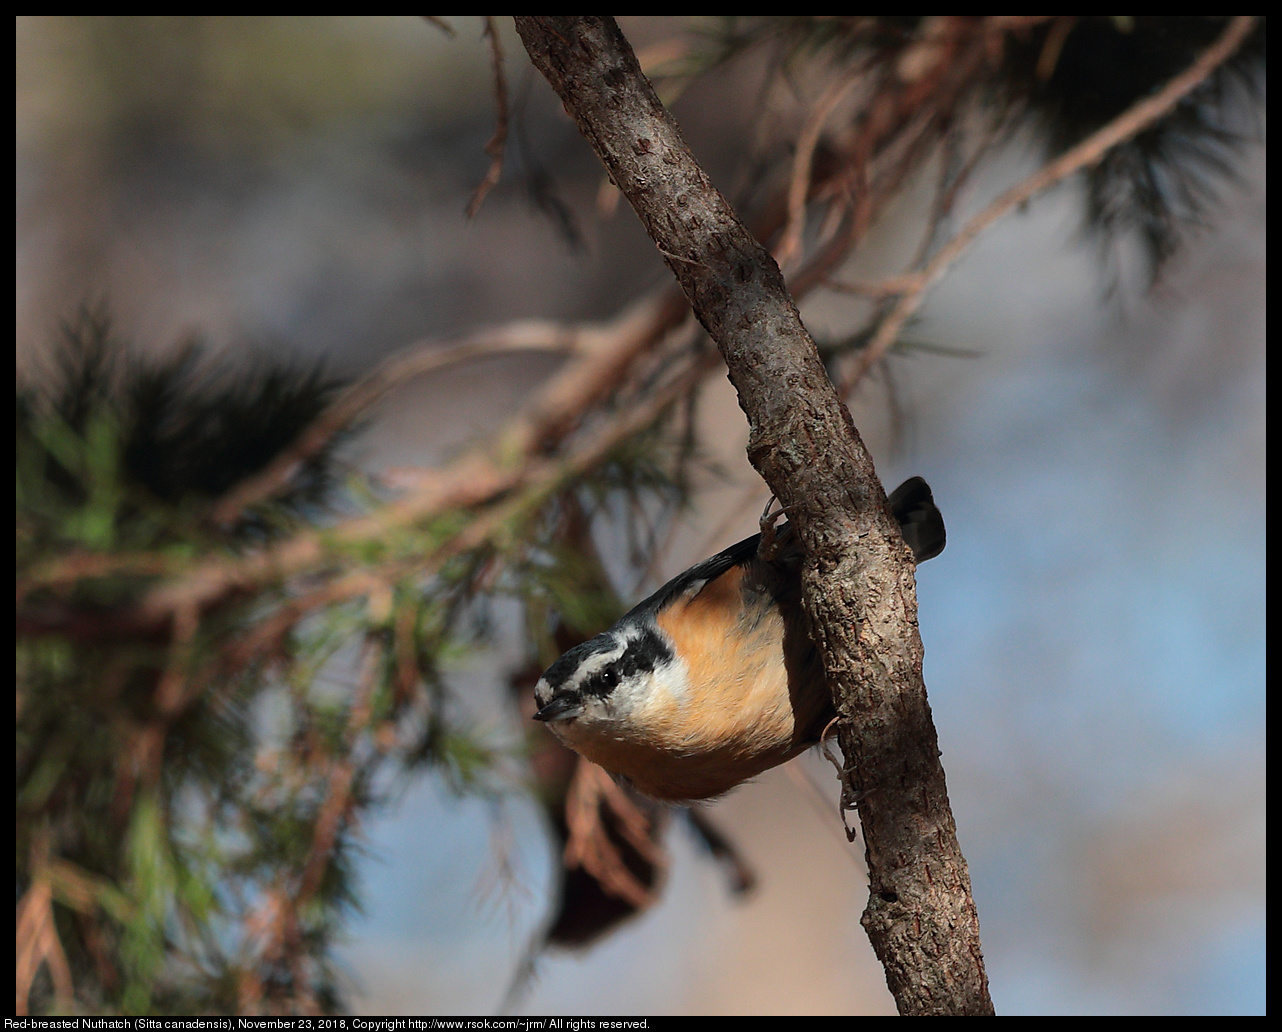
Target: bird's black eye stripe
<point x="603" y="682"/>
<point x="643" y="654"/>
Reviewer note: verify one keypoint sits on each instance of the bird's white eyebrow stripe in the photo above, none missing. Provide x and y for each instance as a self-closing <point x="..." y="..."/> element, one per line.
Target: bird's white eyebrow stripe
<point x="581" y="657"/>
<point x="638" y="650"/>
<point x="600" y="660"/>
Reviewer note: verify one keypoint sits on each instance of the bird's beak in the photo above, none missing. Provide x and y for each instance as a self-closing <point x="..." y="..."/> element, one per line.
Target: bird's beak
<point x="564" y="706"/>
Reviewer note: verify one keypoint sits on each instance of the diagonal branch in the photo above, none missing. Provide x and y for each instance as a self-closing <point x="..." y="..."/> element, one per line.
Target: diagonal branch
<point x="858" y="581"/>
<point x="602" y="353"/>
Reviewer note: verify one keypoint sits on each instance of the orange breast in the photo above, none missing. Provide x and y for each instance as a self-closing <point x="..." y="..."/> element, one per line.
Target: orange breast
<point x="751" y="702"/>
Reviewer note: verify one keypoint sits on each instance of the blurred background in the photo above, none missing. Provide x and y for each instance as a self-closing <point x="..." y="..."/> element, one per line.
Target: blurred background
<point x="1094" y="631"/>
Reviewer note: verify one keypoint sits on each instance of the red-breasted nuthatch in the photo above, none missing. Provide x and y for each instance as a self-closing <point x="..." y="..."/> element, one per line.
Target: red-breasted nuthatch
<point x="713" y="678"/>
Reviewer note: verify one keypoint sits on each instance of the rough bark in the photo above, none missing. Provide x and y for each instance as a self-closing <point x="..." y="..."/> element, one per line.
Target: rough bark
<point x="858" y="580"/>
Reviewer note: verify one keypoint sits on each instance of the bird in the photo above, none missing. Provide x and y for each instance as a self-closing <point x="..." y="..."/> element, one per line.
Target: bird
<point x="714" y="678"/>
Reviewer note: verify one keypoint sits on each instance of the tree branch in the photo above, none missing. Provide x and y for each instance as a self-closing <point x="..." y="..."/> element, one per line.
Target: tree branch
<point x="858" y="579"/>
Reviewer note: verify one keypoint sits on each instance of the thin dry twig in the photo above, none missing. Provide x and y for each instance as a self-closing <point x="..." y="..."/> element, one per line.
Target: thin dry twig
<point x="173" y="682"/>
<point x="275" y="925"/>
<point x="1090" y="151"/>
<point x="952" y="182"/>
<point x="498" y="142"/>
<point x="338" y="794"/>
<point x="891" y="286"/>
<point x="37" y="940"/>
<point x="799" y="184"/>
<point x="441" y="24"/>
